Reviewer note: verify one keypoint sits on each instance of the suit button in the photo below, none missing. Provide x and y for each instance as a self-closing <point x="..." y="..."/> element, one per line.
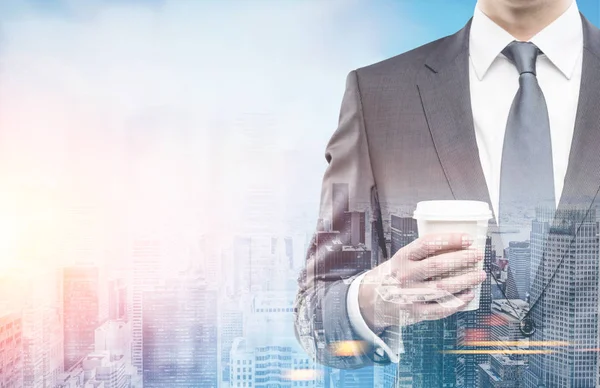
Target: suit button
<point x="527" y="326"/>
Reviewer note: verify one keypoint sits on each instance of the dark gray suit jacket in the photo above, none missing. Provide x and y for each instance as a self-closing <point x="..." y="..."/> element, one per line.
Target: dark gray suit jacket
<point x="406" y="135"/>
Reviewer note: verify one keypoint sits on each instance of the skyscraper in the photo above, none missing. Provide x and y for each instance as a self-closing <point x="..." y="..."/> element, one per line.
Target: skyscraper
<point x="71" y="379"/>
<point x="80" y="312"/>
<point x="209" y="255"/>
<point x="43" y="354"/>
<point x="11" y="350"/>
<point x="258" y="257"/>
<point x="340" y="205"/>
<point x="403" y="232"/>
<point x="146" y="267"/>
<point x="505" y="370"/>
<point x="280" y="363"/>
<point x="519" y="259"/>
<point x="566" y="275"/>
<point x="117" y="299"/>
<point x="114" y="337"/>
<point x="474" y="325"/>
<point x="289" y="250"/>
<point x="241" y="257"/>
<point x="106" y="371"/>
<point x="346" y="259"/>
<point x="355" y="378"/>
<point x="180" y="334"/>
<point x="354" y="228"/>
<point x="272" y="310"/>
<point x="255" y="163"/>
<point x="42" y="325"/>
<point x="231" y="326"/>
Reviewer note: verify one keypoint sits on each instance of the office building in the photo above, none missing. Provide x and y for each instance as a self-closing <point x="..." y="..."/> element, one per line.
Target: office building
<point x="505" y="370"/>
<point x="11" y="350"/>
<point x="101" y="370"/>
<point x="519" y="259"/>
<point x="80" y="312"/>
<point x="340" y="205"/>
<point x="241" y="258"/>
<point x="354" y="228"/>
<point x="231" y="326"/>
<point x="564" y="252"/>
<point x="146" y="268"/>
<point x="473" y="325"/>
<point x="117" y="299"/>
<point x="180" y="334"/>
<point x="114" y="337"/>
<point x="282" y="363"/>
<point x="71" y="379"/>
<point x="43" y="353"/>
<point x="403" y="232"/>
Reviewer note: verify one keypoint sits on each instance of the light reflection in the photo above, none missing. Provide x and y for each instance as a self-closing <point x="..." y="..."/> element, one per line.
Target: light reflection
<point x="348" y="348"/>
<point x="516" y="343"/>
<point x="497" y="351"/>
<point x="302" y="375"/>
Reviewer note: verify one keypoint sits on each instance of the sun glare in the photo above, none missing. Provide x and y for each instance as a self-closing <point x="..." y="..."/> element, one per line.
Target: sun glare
<point x="9" y="231"/>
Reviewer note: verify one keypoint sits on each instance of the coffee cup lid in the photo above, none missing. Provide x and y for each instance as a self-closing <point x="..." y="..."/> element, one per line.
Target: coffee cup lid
<point x="452" y="210"/>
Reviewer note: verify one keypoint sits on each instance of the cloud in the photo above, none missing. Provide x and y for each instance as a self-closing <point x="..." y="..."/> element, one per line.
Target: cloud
<point x="128" y="104"/>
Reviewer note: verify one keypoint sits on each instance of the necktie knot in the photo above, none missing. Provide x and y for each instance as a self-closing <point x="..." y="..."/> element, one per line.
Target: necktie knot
<point x="523" y="55"/>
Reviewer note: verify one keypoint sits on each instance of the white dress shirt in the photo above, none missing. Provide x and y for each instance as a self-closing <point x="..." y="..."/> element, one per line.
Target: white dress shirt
<point x="494" y="82"/>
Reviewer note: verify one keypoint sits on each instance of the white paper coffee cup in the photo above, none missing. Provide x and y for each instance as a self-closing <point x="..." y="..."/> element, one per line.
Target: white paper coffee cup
<point x="453" y="216"/>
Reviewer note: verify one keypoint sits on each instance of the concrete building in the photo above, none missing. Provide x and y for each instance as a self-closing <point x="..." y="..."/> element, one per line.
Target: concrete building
<point x="282" y="364"/>
<point x="519" y="259"/>
<point x="114" y="337"/>
<point x="564" y="297"/>
<point x="231" y="326"/>
<point x="146" y="268"/>
<point x="505" y="370"/>
<point x="80" y="312"/>
<point x="106" y="371"/>
<point x="180" y="334"/>
<point x="11" y="350"/>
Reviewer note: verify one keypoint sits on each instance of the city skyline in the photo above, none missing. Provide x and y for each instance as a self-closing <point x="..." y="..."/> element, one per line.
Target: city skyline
<point x="117" y="326"/>
<point x="160" y="166"/>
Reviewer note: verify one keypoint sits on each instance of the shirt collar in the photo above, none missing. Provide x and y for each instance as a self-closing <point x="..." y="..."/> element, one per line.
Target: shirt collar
<point x="561" y="41"/>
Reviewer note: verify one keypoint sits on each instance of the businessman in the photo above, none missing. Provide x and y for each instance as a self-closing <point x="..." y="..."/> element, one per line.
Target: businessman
<point x="505" y="111"/>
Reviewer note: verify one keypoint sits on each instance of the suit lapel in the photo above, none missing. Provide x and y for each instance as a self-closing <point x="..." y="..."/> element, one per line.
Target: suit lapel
<point x="583" y="172"/>
<point x="443" y="86"/>
<point x="582" y="180"/>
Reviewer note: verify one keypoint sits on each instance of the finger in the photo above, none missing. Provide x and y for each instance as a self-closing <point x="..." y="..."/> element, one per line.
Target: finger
<point x="432" y="244"/>
<point x="446" y="263"/>
<point x="440" y="310"/>
<point x="458" y="283"/>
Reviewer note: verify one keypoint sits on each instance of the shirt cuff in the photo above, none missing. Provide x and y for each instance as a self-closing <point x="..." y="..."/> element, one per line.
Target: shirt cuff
<point x="360" y="326"/>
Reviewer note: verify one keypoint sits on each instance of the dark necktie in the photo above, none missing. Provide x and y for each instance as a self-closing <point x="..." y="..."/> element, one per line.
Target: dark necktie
<point x="527" y="178"/>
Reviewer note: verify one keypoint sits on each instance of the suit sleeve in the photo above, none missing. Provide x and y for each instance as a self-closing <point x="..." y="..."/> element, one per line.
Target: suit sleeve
<point x="322" y="323"/>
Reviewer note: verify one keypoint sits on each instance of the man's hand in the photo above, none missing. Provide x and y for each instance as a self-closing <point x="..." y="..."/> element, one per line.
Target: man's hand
<point x="431" y="278"/>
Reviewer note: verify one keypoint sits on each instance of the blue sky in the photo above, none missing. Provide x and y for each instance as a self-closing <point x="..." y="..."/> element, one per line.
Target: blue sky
<point x="440" y="17"/>
<point x="430" y="19"/>
<point x="78" y="75"/>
